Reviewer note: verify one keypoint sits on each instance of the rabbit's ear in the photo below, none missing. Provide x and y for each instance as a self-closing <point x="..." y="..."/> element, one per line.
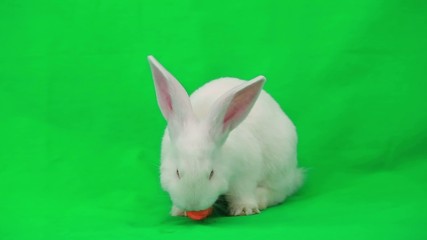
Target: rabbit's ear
<point x="233" y="107"/>
<point x="171" y="96"/>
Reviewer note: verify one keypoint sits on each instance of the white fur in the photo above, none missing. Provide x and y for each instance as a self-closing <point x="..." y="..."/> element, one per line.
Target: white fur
<point x="255" y="163"/>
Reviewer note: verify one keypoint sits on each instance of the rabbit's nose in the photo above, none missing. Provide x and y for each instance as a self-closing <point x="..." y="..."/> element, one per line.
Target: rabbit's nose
<point x="193" y="205"/>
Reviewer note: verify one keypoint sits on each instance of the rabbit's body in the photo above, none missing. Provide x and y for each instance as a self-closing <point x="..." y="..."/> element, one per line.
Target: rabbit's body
<point x="255" y="162"/>
<point x="266" y="142"/>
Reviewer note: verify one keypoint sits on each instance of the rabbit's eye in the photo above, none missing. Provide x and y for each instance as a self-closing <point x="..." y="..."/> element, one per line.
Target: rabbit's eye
<point x="177" y="173"/>
<point x="211" y="174"/>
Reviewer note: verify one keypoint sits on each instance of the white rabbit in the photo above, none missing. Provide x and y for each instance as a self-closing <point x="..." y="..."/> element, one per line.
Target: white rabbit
<point x="229" y="138"/>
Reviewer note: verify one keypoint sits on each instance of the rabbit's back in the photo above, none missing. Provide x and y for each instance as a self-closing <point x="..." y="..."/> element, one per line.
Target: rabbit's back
<point x="204" y="97"/>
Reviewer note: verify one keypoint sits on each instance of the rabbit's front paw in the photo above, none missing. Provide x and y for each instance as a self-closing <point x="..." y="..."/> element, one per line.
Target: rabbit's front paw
<point x="262" y="197"/>
<point x="241" y="209"/>
<point x="177" y="212"/>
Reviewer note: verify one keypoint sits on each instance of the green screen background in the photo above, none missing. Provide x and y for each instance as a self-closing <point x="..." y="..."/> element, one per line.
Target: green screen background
<point x="80" y="127"/>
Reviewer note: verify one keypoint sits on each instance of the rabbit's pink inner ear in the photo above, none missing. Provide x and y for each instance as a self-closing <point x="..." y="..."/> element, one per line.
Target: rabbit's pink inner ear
<point x="165" y="99"/>
<point x="241" y="105"/>
<point x="163" y="93"/>
<point x="236" y="109"/>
